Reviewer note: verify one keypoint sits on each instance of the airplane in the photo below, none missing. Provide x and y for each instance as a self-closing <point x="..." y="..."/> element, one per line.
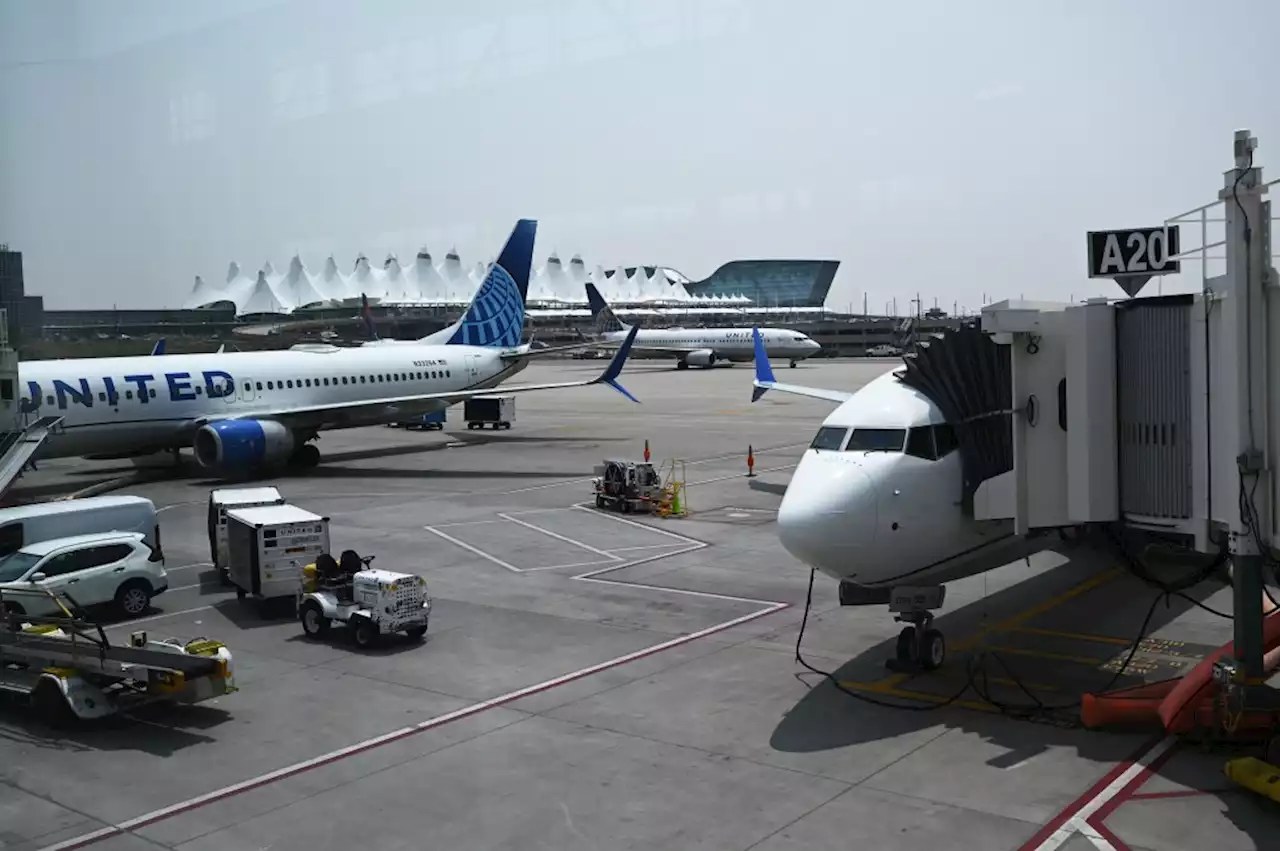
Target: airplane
<point x="875" y="503"/>
<point x="699" y="346"/>
<point x="249" y="412"/>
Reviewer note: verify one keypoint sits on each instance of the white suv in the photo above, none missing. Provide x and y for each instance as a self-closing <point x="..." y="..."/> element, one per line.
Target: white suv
<point x="107" y="567"/>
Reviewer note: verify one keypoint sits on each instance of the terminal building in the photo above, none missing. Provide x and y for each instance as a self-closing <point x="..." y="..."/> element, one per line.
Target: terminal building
<point x="24" y="313"/>
<point x="273" y="310"/>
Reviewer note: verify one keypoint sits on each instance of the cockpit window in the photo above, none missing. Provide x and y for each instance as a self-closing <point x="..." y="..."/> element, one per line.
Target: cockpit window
<point x="829" y="437"/>
<point x="932" y="442"/>
<point x="876" y="440"/>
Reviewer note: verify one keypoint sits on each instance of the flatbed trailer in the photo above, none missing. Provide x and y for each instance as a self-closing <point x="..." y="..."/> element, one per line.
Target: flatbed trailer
<point x="68" y="669"/>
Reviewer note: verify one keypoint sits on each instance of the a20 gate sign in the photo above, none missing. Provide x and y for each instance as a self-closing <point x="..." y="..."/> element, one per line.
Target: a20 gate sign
<point x="1132" y="253"/>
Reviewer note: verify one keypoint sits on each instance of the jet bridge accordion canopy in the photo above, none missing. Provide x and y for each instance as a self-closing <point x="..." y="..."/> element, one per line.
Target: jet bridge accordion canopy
<point x="968" y="376"/>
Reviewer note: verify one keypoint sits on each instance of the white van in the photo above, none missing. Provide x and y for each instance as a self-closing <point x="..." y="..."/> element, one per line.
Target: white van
<point x="44" y="521"/>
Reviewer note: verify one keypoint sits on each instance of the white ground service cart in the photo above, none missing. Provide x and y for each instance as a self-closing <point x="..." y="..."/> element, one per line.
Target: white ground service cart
<point x="269" y="546"/>
<point x="498" y="410"/>
<point x="371" y="602"/>
<point x="222" y="500"/>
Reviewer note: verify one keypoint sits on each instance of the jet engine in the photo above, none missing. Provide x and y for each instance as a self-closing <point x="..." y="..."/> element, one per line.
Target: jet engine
<point x="242" y="444"/>
<point x="702" y="357"/>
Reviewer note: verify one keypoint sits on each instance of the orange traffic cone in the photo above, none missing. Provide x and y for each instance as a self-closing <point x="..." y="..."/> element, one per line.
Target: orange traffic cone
<point x="751" y="461"/>
<point x="646" y="451"/>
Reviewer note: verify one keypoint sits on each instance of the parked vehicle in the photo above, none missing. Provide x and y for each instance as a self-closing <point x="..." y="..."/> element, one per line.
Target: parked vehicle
<point x="21" y="525"/>
<point x="118" y="568"/>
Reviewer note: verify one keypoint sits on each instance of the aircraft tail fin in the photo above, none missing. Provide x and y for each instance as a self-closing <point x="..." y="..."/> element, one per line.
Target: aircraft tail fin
<point x="495" y="316"/>
<point x="367" y="315"/>
<point x="601" y="313"/>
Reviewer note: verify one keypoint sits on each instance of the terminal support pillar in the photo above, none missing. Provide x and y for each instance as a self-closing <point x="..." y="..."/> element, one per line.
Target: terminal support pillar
<point x="1247" y="223"/>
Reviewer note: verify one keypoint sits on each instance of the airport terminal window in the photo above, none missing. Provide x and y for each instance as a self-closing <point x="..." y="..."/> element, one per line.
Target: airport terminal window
<point x="829" y="437"/>
<point x="877" y="440"/>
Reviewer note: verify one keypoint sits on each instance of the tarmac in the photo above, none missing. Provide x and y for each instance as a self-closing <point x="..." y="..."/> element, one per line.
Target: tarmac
<point x="598" y="681"/>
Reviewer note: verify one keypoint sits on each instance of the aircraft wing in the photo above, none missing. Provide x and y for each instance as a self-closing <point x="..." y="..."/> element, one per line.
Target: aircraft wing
<point x="764" y="381"/>
<point x="537" y="353"/>
<point x="339" y="410"/>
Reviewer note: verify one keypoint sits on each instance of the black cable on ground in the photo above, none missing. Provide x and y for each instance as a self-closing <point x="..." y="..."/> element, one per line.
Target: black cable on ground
<point x="976" y="676"/>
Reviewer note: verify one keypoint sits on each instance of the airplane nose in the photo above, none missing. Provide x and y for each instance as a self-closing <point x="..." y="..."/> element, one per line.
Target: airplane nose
<point x="829" y="512"/>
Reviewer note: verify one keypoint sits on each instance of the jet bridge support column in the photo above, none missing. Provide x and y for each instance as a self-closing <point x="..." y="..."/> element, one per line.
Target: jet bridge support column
<point x="1248" y="321"/>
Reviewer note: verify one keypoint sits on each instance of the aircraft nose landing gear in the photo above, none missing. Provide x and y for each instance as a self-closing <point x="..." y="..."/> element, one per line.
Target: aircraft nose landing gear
<point x="920" y="646"/>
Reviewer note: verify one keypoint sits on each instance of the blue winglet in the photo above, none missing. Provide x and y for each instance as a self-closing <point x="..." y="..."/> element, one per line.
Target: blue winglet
<point x="611" y="373"/>
<point x="764" y="372"/>
<point x="158" y="348"/>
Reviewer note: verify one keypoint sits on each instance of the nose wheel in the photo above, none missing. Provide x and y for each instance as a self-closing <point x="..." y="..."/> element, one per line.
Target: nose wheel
<point x="919" y="646"/>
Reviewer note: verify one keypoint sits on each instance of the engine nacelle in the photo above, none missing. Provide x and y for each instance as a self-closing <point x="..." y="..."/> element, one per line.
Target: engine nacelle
<point x="242" y="444"/>
<point x="702" y="357"/>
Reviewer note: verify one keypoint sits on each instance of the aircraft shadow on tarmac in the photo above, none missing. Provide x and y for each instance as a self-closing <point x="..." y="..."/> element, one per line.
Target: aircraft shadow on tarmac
<point x="827" y="718"/>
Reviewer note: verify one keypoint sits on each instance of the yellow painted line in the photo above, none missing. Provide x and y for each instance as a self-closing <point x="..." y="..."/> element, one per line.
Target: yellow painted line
<point x="1044" y="654"/>
<point x="1014" y="622"/>
<point x="892" y="691"/>
<point x="1074" y="636"/>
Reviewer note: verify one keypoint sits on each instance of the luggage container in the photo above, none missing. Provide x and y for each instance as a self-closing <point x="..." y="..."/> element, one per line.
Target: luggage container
<point x="221" y="500"/>
<point x="498" y="410"/>
<point x="268" y="547"/>
<point x="429" y="422"/>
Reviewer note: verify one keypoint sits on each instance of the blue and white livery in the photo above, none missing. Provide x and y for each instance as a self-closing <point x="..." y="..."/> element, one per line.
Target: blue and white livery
<point x="699" y="346"/>
<point x="244" y="412"/>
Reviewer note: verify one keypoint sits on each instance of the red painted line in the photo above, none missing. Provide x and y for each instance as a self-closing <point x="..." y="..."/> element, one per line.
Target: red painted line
<point x="1098" y="821"/>
<point x="294" y="770"/>
<point x="1163" y="796"/>
<point x="1110" y="835"/>
<point x="1043" y="834"/>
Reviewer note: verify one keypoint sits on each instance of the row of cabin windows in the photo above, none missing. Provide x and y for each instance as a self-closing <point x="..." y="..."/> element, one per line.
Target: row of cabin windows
<point x="290" y="384"/>
<point x="931" y="442"/>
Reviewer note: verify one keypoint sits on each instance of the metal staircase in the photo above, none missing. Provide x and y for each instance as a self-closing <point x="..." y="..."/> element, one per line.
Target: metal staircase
<point x="20" y="439"/>
<point x="17" y="448"/>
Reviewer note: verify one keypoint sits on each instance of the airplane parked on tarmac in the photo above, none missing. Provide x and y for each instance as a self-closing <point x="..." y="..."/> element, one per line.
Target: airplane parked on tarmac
<point x="699" y="346"/>
<point x="875" y="503"/>
<point x="245" y="412"/>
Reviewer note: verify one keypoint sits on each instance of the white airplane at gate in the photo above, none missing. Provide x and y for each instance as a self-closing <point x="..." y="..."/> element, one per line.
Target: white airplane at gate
<point x="875" y="503"/>
<point x="244" y="412"/>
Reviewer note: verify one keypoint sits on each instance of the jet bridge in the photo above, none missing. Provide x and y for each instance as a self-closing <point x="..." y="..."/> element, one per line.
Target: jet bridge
<point x="21" y="437"/>
<point x="1157" y="414"/>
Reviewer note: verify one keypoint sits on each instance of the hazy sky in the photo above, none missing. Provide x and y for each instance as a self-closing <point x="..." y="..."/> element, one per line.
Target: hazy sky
<point x="947" y="147"/>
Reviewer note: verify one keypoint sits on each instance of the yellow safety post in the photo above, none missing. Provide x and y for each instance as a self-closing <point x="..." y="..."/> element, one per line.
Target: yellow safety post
<point x="1254" y="775"/>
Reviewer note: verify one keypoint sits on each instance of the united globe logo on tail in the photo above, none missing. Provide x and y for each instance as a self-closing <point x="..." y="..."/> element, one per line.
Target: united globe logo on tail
<point x="496" y="315"/>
